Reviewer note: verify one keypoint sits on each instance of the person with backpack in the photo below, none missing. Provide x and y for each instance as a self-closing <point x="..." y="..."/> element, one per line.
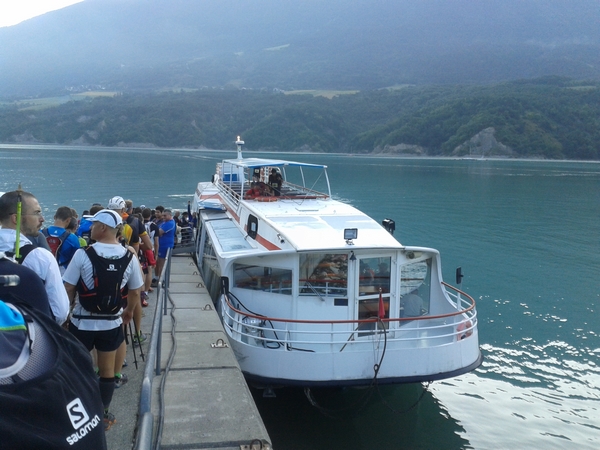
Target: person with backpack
<point x="85" y="225"/>
<point x="37" y="259"/>
<point x="63" y="244"/>
<point x="99" y="275"/>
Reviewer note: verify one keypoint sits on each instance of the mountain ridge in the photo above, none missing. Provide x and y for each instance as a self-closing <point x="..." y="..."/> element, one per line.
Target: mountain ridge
<point x="151" y="44"/>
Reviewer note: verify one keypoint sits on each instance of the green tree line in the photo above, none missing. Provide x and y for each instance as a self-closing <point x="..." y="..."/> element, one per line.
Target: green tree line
<point x="552" y="118"/>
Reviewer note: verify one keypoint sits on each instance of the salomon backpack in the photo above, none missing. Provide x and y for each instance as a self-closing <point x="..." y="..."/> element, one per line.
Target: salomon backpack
<point x="106" y="296"/>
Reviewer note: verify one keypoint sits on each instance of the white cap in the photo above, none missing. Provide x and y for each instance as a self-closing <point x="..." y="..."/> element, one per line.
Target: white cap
<point x="116" y="203"/>
<point x="108" y="217"/>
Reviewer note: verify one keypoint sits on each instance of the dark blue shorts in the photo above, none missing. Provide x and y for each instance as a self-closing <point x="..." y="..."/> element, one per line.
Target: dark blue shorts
<point x="162" y="252"/>
<point x="103" y="341"/>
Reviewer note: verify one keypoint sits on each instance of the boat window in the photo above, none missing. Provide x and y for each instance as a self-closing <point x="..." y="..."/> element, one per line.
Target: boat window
<point x="415" y="282"/>
<point x="229" y="236"/>
<point x="374" y="274"/>
<point x="211" y="273"/>
<point x="323" y="274"/>
<point x="199" y="236"/>
<point x="261" y="278"/>
<point x="252" y="226"/>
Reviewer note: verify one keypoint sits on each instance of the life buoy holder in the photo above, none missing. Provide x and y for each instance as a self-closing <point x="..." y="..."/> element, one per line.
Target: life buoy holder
<point x="266" y="199"/>
<point x="464" y="330"/>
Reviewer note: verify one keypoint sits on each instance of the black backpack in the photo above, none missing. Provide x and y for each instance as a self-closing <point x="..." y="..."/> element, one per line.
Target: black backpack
<point x="106" y="297"/>
<point x="61" y="407"/>
<point x="23" y="252"/>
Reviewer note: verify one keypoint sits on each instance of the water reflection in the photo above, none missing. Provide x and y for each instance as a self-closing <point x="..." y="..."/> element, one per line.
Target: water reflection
<point x="527" y="396"/>
<point x="389" y="417"/>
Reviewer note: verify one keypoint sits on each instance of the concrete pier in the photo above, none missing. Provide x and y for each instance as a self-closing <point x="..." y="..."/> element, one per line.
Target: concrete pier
<point x="205" y="401"/>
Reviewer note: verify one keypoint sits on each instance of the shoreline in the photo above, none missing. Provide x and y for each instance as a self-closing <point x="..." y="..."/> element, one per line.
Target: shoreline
<point x="152" y="148"/>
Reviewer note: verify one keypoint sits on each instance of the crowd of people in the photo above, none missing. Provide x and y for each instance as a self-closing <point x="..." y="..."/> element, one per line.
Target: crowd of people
<point x="90" y="276"/>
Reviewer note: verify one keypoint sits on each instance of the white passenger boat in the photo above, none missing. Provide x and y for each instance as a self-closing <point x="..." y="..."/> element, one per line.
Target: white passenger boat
<point x="313" y="292"/>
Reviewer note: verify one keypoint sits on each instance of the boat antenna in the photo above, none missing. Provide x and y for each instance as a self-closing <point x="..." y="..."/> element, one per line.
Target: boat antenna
<point x="239" y="144"/>
<point x="18" y="235"/>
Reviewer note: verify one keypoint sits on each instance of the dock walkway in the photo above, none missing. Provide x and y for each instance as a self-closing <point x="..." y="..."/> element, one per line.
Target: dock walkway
<point x="203" y="401"/>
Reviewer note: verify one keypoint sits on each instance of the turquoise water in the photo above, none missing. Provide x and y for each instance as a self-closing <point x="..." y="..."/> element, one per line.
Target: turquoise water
<point x="527" y="235"/>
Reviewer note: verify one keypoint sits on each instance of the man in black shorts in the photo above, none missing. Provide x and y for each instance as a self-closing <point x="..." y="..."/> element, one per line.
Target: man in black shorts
<point x="101" y="330"/>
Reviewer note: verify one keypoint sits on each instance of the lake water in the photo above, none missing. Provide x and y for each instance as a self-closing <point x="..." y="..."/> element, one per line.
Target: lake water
<point x="527" y="235"/>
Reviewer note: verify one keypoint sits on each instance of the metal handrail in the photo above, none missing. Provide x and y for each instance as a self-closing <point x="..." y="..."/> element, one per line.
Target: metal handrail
<point x="400" y="319"/>
<point x="144" y="437"/>
<point x="234" y="321"/>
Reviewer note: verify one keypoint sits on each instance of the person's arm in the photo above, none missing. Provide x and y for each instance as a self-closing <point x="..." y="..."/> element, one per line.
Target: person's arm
<point x="44" y="264"/>
<point x="154" y="228"/>
<point x="71" y="293"/>
<point x="171" y="225"/>
<point x="133" y="298"/>
<point x="146" y="242"/>
<point x="134" y="284"/>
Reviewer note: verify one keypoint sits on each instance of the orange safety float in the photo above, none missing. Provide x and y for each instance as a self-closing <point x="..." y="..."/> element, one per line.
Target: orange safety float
<point x="464" y="330"/>
<point x="266" y="199"/>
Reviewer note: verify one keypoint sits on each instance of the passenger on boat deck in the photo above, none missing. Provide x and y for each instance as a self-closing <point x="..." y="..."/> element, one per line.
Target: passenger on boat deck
<point x="413" y="304"/>
<point x="253" y="192"/>
<point x="275" y="181"/>
<point x="265" y="189"/>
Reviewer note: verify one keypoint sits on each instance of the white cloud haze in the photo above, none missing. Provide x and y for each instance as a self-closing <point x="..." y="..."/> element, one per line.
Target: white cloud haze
<point x="13" y="12"/>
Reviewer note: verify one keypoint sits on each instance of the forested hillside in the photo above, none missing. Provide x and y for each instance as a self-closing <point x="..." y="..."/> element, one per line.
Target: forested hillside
<point x="551" y="118"/>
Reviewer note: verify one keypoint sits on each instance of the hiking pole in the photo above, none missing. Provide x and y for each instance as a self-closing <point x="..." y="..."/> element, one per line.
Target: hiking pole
<point x="18" y="230"/>
<point x="133" y="346"/>
<point x="141" y="349"/>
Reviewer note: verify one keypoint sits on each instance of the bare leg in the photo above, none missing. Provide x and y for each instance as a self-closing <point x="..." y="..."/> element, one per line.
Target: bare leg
<point x="120" y="355"/>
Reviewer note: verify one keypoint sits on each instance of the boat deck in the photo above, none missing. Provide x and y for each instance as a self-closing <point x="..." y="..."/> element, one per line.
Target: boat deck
<point x="207" y="403"/>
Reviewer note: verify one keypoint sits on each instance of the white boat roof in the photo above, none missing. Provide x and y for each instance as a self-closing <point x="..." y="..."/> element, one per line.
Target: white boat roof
<point x="260" y="162"/>
<point x="319" y="224"/>
<point x="305" y="224"/>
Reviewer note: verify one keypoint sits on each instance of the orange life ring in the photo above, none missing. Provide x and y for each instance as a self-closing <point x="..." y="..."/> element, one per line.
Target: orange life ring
<point x="464" y="330"/>
<point x="266" y="199"/>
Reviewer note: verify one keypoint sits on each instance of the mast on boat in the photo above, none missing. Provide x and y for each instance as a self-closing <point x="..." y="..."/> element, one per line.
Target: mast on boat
<point x="239" y="144"/>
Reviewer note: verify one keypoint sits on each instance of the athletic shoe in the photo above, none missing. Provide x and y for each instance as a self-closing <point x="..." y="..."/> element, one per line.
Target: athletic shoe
<point x="125" y="363"/>
<point x="154" y="283"/>
<point x="120" y="380"/>
<point x="140" y="338"/>
<point x="109" y="420"/>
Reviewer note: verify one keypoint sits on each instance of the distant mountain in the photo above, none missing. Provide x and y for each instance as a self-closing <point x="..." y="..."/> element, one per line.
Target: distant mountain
<point x="298" y="44"/>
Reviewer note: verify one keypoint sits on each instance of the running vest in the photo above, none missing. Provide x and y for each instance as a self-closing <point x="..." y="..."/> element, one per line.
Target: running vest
<point x="106" y="297"/>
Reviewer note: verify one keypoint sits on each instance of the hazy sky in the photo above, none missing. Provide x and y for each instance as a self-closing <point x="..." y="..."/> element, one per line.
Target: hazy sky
<point x="15" y="11"/>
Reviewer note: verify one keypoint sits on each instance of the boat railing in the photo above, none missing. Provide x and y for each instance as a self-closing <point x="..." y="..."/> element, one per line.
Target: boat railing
<point x="348" y="335"/>
<point x="295" y="191"/>
<point x="461" y="299"/>
<point x="231" y="191"/>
